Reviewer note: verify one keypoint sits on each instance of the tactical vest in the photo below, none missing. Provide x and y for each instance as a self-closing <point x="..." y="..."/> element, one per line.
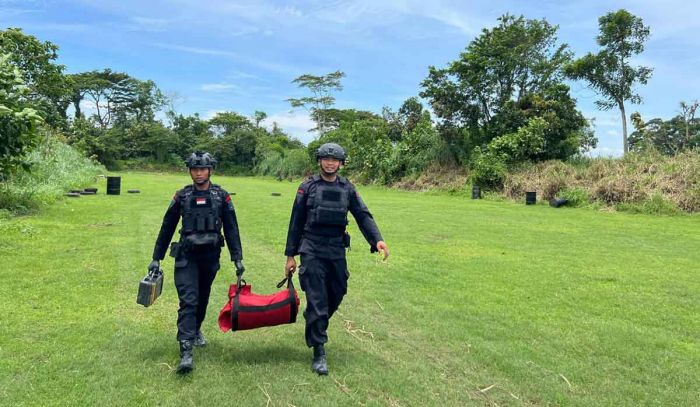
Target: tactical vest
<point x="328" y="204"/>
<point x="201" y="220"/>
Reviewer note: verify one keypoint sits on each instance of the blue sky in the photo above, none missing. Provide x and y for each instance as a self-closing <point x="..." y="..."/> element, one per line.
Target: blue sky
<point x="242" y="55"/>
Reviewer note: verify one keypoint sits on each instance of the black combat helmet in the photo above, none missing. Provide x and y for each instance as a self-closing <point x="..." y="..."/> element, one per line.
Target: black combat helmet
<point x="199" y="159"/>
<point x="331" y="150"/>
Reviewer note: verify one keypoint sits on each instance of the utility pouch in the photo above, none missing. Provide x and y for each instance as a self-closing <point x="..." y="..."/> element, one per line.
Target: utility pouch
<point x="174" y="249"/>
<point x="346" y="240"/>
<point x="331" y="216"/>
<point x="150" y="288"/>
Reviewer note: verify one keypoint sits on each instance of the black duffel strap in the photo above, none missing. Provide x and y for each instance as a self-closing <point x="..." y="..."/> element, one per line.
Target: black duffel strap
<point x="236" y="306"/>
<point x="292" y="298"/>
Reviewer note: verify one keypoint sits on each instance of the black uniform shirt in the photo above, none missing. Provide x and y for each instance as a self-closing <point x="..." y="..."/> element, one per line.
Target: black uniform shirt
<point x="326" y="241"/>
<point x="172" y="218"/>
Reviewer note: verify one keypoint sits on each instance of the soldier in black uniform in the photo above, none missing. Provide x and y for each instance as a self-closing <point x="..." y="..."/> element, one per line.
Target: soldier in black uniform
<point x="205" y="209"/>
<point x="317" y="233"/>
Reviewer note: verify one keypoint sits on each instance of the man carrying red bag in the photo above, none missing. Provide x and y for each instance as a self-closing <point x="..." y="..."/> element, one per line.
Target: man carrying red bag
<point x="317" y="233"/>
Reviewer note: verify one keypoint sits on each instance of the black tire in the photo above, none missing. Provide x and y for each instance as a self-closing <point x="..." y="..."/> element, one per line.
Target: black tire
<point x="133" y="191"/>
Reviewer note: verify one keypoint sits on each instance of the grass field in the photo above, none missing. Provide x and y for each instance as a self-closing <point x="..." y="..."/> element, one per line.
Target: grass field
<point x="481" y="303"/>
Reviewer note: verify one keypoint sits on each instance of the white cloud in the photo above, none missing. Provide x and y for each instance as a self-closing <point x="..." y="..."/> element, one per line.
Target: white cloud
<point x="196" y="50"/>
<point x="269" y="66"/>
<point x="218" y="87"/>
<point x="148" y="24"/>
<point x="295" y="123"/>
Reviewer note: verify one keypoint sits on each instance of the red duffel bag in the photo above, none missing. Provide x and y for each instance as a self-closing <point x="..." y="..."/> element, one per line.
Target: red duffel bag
<point x="246" y="310"/>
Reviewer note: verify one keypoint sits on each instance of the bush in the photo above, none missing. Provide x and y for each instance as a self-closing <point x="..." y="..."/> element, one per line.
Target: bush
<point x="293" y="163"/>
<point x="488" y="170"/>
<point x="656" y="205"/>
<point x="54" y="168"/>
<point x="649" y="182"/>
<point x="576" y="196"/>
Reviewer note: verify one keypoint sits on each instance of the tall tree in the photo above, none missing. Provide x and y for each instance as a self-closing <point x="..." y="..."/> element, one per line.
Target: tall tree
<point x="258" y="117"/>
<point x="609" y="73"/>
<point x="48" y="88"/>
<point x="490" y="89"/>
<point x="688" y="116"/>
<point x="405" y="120"/>
<point x="322" y="88"/>
<point x="18" y="120"/>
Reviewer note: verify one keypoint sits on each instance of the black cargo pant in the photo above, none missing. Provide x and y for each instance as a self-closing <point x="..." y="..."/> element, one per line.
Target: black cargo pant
<point x="194" y="274"/>
<point x="325" y="283"/>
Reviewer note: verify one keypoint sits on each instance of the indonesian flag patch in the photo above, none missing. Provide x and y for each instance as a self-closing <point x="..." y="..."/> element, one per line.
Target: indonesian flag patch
<point x="201" y="201"/>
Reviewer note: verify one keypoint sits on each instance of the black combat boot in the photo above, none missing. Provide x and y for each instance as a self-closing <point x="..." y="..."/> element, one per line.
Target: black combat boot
<point x="319" y="364"/>
<point x="186" y="362"/>
<point x="199" y="339"/>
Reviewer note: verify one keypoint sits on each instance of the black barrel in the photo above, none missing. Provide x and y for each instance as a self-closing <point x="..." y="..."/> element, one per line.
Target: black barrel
<point x="530" y="198"/>
<point x="476" y="192"/>
<point x="114" y="185"/>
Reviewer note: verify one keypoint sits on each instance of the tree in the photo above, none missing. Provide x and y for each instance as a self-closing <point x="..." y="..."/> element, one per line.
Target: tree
<point x="688" y="116"/>
<point x="19" y="122"/>
<point x="258" y="117"/>
<point x="227" y="122"/>
<point x="322" y="99"/>
<point x="499" y="70"/>
<point x="98" y="87"/>
<point x="48" y="89"/>
<point x="405" y="120"/>
<point x="668" y="137"/>
<point x="609" y="73"/>
<point x="136" y="100"/>
<point x="335" y="117"/>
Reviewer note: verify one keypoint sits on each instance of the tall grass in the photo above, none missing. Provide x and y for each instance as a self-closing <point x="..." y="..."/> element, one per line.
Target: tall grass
<point x="288" y="164"/>
<point x="54" y="168"/>
<point x="649" y="183"/>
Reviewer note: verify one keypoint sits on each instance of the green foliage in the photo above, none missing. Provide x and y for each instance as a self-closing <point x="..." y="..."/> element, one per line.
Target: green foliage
<point x="527" y="142"/>
<point x="190" y="131"/>
<point x="577" y="196"/>
<point x="668" y="137"/>
<point x="19" y="122"/>
<point x="609" y="73"/>
<point x="53" y="169"/>
<point x="406" y="119"/>
<point x="321" y="99"/>
<point x="648" y="182"/>
<point x="419" y="146"/>
<point x="288" y="164"/>
<point x="487" y="170"/>
<point x="506" y="76"/>
<point x="657" y="204"/>
<point x="49" y="90"/>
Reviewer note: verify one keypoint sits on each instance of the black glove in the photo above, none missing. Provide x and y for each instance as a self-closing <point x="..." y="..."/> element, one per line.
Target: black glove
<point x="239" y="267"/>
<point x="154" y="266"/>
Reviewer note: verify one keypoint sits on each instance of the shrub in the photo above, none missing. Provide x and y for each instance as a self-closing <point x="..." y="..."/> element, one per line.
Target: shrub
<point x="488" y="170"/>
<point x="54" y="167"/>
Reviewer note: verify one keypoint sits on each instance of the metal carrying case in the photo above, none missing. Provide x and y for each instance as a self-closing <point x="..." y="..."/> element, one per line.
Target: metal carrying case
<point x="150" y="288"/>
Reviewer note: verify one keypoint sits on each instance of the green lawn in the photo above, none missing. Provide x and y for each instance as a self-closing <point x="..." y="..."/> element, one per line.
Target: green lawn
<point x="481" y="303"/>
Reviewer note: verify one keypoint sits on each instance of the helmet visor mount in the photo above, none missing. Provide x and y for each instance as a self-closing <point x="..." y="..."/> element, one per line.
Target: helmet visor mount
<point x="200" y="160"/>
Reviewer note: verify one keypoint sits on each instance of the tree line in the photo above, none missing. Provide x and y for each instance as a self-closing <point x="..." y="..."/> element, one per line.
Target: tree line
<point x="505" y="100"/>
